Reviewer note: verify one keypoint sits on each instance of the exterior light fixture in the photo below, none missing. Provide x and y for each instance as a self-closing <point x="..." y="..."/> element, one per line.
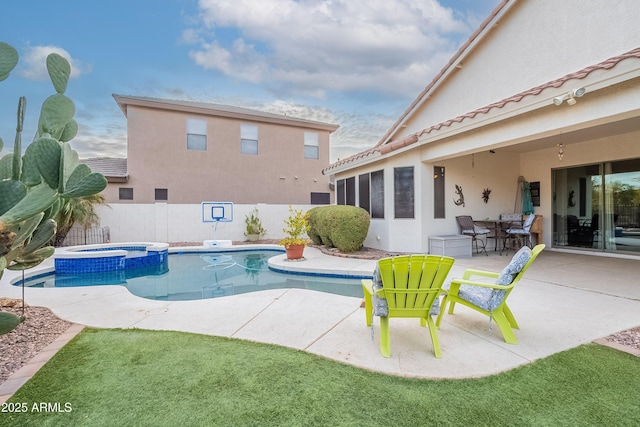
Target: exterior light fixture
<point x="577" y="93"/>
<point x="560" y="150"/>
<point x="570" y="96"/>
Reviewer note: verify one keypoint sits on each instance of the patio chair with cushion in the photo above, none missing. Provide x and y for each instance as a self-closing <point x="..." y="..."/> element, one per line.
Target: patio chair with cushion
<point x="406" y="286"/>
<point x="490" y="299"/>
<point x="520" y="236"/>
<point x="469" y="228"/>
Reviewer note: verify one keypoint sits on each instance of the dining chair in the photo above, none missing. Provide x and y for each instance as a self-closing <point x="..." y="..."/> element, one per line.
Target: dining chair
<point x="469" y="228"/>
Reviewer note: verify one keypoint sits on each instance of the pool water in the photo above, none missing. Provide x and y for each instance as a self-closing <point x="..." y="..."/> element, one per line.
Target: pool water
<point x="191" y="276"/>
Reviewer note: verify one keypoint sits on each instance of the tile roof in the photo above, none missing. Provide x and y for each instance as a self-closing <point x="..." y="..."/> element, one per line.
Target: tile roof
<point x="114" y="169"/>
<point x="413" y="138"/>
<point x="466" y="46"/>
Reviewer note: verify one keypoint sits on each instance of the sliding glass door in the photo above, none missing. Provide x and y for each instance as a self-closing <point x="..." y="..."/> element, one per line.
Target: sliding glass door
<point x="597" y="207"/>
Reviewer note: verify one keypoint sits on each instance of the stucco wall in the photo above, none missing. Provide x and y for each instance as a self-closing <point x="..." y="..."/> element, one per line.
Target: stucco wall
<point x="538" y="165"/>
<point x="498" y="171"/>
<point x="536" y="42"/>
<point x="158" y="157"/>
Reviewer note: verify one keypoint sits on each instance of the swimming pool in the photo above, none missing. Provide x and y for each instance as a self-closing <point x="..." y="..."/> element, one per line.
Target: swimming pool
<point x="201" y="275"/>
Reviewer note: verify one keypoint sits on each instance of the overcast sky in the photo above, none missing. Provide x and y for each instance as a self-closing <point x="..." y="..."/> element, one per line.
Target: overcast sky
<point x="355" y="63"/>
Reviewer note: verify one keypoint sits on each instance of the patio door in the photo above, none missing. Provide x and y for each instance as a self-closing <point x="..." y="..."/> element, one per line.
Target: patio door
<point x="597" y="207"/>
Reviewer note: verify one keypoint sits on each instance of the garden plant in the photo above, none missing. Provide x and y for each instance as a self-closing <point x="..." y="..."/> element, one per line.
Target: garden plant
<point x="34" y="186"/>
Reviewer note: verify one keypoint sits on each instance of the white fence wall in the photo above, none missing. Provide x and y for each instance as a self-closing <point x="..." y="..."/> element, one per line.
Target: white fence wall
<point x="162" y="222"/>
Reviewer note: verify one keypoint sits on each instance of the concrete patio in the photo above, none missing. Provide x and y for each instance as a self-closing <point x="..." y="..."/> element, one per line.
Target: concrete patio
<point x="563" y="301"/>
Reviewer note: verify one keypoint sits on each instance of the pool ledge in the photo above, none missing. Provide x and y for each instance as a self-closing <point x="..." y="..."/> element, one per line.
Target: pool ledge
<point x="105" y="249"/>
<point x="314" y="263"/>
<point x="317" y="263"/>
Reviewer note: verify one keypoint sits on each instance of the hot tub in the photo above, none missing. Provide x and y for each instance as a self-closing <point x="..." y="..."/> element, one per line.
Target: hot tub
<point x="110" y="257"/>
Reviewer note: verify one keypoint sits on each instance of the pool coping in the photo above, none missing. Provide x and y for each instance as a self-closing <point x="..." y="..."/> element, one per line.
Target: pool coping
<point x="106" y="249"/>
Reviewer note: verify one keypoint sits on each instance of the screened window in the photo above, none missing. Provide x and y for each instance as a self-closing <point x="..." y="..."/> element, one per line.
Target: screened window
<point x="196" y="134"/>
<point x="364" y="200"/>
<point x="162" y="194"/>
<point x="350" y="191"/>
<point x="377" y="194"/>
<point x="340" y="196"/>
<point x="249" y="139"/>
<point x="438" y="192"/>
<point x="371" y="193"/>
<point x="320" y="198"/>
<point x="403" y="192"/>
<point x="311" y="146"/>
<point x="125" y="193"/>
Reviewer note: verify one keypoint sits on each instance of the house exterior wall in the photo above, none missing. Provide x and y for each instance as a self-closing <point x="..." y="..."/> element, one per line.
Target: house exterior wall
<point x="474" y="173"/>
<point x="537" y="166"/>
<point x="158" y="157"/>
<point x="111" y="192"/>
<point x="535" y="41"/>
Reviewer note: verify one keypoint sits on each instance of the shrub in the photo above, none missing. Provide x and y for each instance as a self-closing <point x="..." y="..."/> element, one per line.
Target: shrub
<point x="343" y="227"/>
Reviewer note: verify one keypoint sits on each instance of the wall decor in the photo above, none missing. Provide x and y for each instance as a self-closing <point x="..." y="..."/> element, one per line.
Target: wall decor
<point x="571" y="203"/>
<point x="485" y="194"/>
<point x="535" y="193"/>
<point x="460" y="200"/>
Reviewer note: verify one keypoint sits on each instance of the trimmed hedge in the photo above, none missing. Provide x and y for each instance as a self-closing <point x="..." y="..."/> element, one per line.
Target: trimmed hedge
<point x="342" y="227"/>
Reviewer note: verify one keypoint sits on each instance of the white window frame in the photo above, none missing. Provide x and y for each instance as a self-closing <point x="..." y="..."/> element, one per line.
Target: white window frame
<point x="311" y="145"/>
<point x="196" y="134"/>
<point x="249" y="139"/>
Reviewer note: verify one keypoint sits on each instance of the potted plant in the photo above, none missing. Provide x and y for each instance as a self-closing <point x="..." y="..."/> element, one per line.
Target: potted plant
<point x="254" y="229"/>
<point x="297" y="226"/>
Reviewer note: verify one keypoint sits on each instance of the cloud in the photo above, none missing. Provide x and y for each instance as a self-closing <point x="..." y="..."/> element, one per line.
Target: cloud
<point x="33" y="63"/>
<point x="357" y="131"/>
<point x="314" y="47"/>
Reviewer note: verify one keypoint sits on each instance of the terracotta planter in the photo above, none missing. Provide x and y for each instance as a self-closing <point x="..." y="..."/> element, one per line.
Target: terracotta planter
<point x="294" y="251"/>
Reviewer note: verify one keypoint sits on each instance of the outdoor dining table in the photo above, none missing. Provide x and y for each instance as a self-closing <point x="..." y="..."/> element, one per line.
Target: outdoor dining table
<point x="498" y="229"/>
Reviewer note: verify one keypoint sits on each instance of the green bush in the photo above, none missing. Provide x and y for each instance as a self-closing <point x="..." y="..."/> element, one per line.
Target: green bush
<point x="342" y="227"/>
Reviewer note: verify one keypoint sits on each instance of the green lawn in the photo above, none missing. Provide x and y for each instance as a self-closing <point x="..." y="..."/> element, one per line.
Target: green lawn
<point x="135" y="377"/>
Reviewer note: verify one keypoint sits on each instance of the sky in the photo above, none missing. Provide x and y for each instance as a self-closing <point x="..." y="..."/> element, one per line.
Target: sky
<point x="355" y="63"/>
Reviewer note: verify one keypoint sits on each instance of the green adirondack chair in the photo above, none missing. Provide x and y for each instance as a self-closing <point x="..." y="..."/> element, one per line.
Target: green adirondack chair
<point x="406" y="286"/>
<point x="490" y="299"/>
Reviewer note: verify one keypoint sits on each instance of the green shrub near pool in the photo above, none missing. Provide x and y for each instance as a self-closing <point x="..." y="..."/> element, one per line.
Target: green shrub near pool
<point x="342" y="227"/>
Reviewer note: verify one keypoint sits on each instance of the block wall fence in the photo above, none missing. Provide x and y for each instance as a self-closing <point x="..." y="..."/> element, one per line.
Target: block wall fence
<point x="163" y="222"/>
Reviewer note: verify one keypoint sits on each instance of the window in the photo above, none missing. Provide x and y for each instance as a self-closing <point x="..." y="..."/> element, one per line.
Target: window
<point x="125" y="193"/>
<point x="371" y="193"/>
<point x="320" y="198"/>
<point x="340" y="199"/>
<point x="311" y="146"/>
<point x="162" y="194"/>
<point x="196" y="134"/>
<point x="363" y="191"/>
<point x="438" y="192"/>
<point x="403" y="192"/>
<point x="350" y="191"/>
<point x="377" y="194"/>
<point x="249" y="139"/>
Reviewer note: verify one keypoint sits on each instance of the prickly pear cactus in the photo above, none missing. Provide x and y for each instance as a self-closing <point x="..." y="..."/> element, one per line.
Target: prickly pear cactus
<point x="33" y="186"/>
